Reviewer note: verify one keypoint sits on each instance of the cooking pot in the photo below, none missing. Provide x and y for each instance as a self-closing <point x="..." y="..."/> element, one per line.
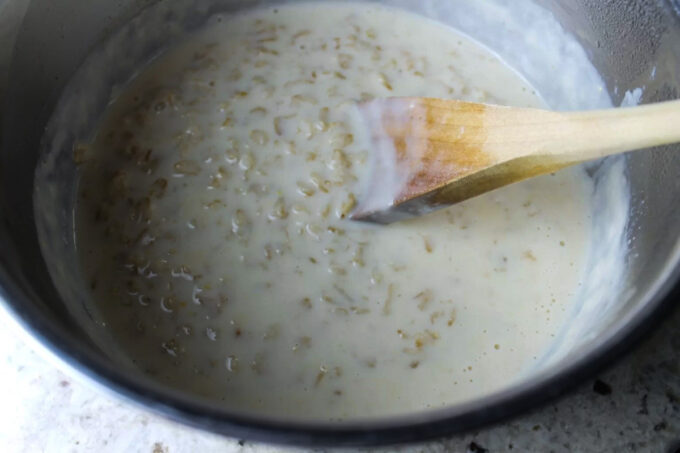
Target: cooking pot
<point x="46" y="61"/>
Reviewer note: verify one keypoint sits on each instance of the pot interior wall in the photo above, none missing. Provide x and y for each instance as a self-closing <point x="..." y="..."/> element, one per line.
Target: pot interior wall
<point x="631" y="48"/>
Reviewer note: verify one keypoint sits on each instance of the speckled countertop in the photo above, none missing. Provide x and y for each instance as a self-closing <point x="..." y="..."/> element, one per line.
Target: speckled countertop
<point x="635" y="406"/>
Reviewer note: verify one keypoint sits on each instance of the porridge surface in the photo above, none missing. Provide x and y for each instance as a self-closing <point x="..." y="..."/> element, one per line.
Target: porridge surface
<point x="212" y="232"/>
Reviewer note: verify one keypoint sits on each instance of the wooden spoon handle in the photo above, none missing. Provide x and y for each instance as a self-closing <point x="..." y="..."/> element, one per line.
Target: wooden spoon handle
<point x="601" y="133"/>
<point x="578" y="136"/>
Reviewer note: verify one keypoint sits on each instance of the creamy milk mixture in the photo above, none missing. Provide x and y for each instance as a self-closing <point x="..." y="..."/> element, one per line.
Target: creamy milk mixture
<point x="212" y="224"/>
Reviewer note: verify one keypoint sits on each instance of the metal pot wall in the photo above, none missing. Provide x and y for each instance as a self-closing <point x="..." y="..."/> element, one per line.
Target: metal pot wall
<point x="634" y="44"/>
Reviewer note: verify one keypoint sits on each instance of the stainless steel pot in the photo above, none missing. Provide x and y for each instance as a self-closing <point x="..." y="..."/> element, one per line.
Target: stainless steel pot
<point x="633" y="44"/>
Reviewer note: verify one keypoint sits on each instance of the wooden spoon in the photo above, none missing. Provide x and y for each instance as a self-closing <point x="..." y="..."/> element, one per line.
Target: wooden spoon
<point x="430" y="153"/>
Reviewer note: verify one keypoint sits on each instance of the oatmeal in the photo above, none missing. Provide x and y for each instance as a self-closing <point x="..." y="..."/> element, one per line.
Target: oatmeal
<point x="212" y="227"/>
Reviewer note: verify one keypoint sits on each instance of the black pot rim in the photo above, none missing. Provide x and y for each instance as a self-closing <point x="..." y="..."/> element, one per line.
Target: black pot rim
<point x="394" y="430"/>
